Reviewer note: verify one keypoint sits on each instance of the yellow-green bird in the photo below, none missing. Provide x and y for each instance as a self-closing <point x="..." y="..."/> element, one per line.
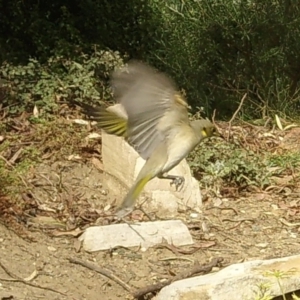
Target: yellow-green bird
<point x="157" y="127"/>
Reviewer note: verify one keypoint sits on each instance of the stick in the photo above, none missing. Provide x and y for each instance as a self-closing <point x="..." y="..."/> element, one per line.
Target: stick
<point x="195" y="270"/>
<point x="235" y="114"/>
<point x="103" y="272"/>
<point x="16" y="278"/>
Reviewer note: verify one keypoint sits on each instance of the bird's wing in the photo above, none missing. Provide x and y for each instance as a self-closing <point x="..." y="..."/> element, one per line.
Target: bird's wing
<point x="152" y="104"/>
<point x="106" y="119"/>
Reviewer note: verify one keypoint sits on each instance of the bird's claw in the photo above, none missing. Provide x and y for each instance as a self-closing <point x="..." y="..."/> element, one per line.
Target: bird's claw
<point x="123" y="212"/>
<point x="178" y="182"/>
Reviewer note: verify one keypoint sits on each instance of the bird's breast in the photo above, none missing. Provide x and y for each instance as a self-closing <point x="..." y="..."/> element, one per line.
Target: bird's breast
<point x="179" y="145"/>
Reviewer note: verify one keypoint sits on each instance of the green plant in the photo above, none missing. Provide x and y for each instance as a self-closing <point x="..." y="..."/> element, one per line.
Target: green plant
<point x="215" y="50"/>
<point x="58" y="81"/>
<point x="284" y="161"/>
<point x="66" y="28"/>
<point x="218" y="50"/>
<point x="263" y="292"/>
<point x="217" y="163"/>
<point x="263" y="289"/>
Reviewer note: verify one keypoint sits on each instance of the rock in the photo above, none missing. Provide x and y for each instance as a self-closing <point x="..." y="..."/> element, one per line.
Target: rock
<point x="121" y="164"/>
<point x="238" y="281"/>
<point x="144" y="234"/>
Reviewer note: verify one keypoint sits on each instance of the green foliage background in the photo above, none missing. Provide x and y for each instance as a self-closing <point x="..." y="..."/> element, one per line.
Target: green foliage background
<point x="53" y="52"/>
<point x="215" y="50"/>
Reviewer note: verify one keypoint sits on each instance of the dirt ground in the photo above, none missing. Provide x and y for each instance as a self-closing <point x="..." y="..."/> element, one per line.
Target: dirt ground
<point x="252" y="227"/>
<point x="68" y="194"/>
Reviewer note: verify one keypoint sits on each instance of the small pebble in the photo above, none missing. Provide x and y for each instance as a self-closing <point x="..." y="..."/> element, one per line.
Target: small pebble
<point x="107" y="207"/>
<point x="103" y="192"/>
<point x="194" y="215"/>
<point x="52" y="249"/>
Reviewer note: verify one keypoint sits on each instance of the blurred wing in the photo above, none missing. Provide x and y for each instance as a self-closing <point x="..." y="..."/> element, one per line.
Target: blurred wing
<point x="107" y="120"/>
<point x="152" y="104"/>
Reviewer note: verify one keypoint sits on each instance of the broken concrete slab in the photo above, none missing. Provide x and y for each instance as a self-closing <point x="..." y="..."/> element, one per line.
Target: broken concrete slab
<point x="239" y="281"/>
<point x="144" y="234"/>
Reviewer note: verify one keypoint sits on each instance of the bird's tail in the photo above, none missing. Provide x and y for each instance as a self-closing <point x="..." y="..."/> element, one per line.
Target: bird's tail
<point x="130" y="199"/>
<point x="107" y="120"/>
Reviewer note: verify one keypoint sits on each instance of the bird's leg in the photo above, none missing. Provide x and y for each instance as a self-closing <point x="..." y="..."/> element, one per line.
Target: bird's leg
<point x="178" y="181"/>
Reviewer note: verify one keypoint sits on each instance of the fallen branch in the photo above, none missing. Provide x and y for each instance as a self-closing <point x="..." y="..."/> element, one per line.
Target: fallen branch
<point x="151" y="288"/>
<point x="178" y="250"/>
<point x="103" y="272"/>
<point x="195" y="270"/>
<point x="15" y="278"/>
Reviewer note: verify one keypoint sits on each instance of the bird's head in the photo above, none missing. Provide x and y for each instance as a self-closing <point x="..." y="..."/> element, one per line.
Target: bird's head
<point x="206" y="128"/>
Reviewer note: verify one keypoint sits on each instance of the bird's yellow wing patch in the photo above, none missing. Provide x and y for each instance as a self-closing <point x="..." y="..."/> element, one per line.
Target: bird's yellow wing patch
<point x="112" y="124"/>
<point x="179" y="99"/>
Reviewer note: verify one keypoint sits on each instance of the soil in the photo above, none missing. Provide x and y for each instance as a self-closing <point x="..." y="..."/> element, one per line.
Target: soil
<point x="70" y="194"/>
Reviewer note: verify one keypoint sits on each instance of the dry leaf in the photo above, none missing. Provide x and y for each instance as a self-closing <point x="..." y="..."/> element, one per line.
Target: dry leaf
<point x="97" y="163"/>
<point x="107" y="208"/>
<point x="290" y="126"/>
<point x="278" y="122"/>
<point x="81" y="122"/>
<point x="35" y="111"/>
<point x="76" y="232"/>
<point x="74" y="157"/>
<point x="94" y="135"/>
<point x="32" y="276"/>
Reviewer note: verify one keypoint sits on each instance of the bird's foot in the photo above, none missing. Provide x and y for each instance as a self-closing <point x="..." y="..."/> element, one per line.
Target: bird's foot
<point x="178" y="182"/>
<point x="123" y="212"/>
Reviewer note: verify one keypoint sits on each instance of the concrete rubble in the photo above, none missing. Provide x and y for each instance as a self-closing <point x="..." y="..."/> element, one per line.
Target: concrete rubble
<point x="243" y="281"/>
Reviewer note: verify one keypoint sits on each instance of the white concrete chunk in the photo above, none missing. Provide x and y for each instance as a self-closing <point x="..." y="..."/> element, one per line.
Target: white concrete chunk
<point x="238" y="282"/>
<point x="144" y="234"/>
<point x="121" y="165"/>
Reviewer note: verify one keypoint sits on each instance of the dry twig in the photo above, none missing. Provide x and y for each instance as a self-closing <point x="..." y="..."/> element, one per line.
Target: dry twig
<point x="15" y="278"/>
<point x="177" y="250"/>
<point x="103" y="272"/>
<point x="235" y="114"/>
<point x="195" y="270"/>
<point x="151" y="288"/>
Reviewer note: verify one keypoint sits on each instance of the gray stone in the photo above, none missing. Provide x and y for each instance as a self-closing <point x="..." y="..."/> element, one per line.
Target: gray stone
<point x="238" y="282"/>
<point x="144" y="234"/>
